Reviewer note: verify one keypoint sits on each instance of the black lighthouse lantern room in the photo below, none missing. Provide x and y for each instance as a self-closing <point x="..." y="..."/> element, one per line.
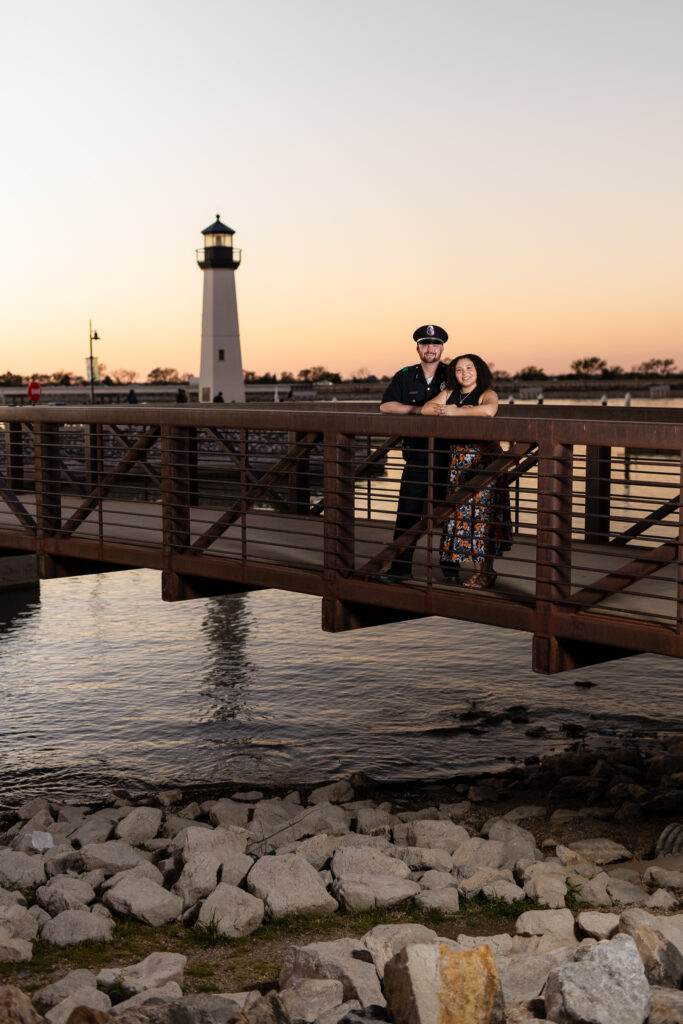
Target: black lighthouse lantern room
<point x="218" y="251"/>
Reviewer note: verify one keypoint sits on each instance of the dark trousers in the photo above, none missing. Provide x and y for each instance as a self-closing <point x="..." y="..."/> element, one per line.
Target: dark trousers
<point x="412" y="500"/>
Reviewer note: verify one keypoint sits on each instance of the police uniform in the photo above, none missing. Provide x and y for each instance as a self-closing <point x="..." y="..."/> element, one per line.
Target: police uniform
<point x="409" y="387"/>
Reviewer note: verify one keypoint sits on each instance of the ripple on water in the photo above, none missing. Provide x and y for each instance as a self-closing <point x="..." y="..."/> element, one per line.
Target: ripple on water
<point x="103" y="684"/>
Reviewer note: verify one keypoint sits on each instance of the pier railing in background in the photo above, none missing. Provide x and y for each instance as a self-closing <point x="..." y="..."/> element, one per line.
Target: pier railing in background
<point x="305" y="500"/>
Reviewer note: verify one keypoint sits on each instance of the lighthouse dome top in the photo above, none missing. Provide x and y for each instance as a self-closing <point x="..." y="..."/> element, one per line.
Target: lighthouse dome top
<point x="218" y="228"/>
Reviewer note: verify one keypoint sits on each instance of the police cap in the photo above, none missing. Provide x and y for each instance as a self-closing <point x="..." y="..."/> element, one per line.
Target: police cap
<point x="430" y="332"/>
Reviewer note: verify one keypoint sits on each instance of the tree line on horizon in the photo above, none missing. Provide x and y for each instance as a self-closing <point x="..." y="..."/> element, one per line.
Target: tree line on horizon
<point x="590" y="367"/>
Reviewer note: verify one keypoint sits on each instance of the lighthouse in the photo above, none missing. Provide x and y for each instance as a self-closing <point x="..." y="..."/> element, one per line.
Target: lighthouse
<point x="221" y="362"/>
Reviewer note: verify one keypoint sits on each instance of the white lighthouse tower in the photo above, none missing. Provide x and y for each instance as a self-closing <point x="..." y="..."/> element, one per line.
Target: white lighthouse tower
<point x="221" y="363"/>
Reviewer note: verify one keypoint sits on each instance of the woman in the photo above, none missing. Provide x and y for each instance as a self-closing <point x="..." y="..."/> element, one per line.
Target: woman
<point x="468" y="533"/>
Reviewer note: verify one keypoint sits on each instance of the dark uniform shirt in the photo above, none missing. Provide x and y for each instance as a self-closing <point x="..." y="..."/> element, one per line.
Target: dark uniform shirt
<point x="410" y="387"/>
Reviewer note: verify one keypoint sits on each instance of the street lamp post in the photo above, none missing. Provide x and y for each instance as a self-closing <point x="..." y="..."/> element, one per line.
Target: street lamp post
<point x="94" y="336"/>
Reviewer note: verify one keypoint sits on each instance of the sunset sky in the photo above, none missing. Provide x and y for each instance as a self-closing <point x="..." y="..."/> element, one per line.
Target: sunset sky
<point x="509" y="169"/>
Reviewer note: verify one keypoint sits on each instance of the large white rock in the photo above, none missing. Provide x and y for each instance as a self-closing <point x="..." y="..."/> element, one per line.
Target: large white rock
<point x="420" y="858"/>
<point x="317" y="850"/>
<point x="145" y="900"/>
<point x="142" y="870"/>
<point x="363" y="892"/>
<point x="472" y="884"/>
<point x="87" y="996"/>
<point x="549" y="890"/>
<point x="663" y="878"/>
<point x="19" y="922"/>
<point x="13" y="950"/>
<point x="170" y="992"/>
<point x="199" y="877"/>
<point x="501" y="888"/>
<point x="597" y="925"/>
<point x="193" y="840"/>
<point x="606" y="986"/>
<point x="233" y="911"/>
<point x="518" y="843"/>
<point x="437" y="880"/>
<point x="289" y="885"/>
<point x="334" y="793"/>
<point x="10" y="898"/>
<point x="307" y="998"/>
<point x="558" y="923"/>
<point x="271" y="835"/>
<point x="98" y="827"/>
<point x="344" y="960"/>
<point x="386" y="940"/>
<point x="670" y="927"/>
<point x="359" y="862"/>
<point x="594" y="890"/>
<point x="154" y="971"/>
<point x="436" y="835"/>
<point x="141" y="825"/>
<point x="623" y="893"/>
<point x="600" y="851"/>
<point x="435" y="984"/>
<point x="24" y="870"/>
<point x="112" y="856"/>
<point x="226" y="812"/>
<point x="63" y="892"/>
<point x="523" y="975"/>
<point x="73" y="926"/>
<point x="48" y="996"/>
<point x="235" y="867"/>
<point x="446" y="900"/>
<point x="485" y="853"/>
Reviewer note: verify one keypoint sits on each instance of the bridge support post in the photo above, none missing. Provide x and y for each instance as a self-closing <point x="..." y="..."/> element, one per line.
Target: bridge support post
<point x="14" y="455"/>
<point x="553" y="545"/>
<point x="48" y="494"/>
<point x="598" y="493"/>
<point x="338" y="528"/>
<point x="551" y="654"/>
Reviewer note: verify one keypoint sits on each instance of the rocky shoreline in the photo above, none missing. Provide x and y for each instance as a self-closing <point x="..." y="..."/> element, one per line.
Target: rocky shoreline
<point x="584" y="849"/>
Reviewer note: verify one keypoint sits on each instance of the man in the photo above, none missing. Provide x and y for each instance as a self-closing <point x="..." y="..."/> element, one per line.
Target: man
<point x="407" y="392"/>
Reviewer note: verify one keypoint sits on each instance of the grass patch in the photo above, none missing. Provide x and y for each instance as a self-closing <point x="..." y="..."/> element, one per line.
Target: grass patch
<point x="216" y="963"/>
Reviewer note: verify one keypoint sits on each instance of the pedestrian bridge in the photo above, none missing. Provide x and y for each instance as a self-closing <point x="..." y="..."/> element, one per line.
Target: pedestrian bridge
<point x="303" y="499"/>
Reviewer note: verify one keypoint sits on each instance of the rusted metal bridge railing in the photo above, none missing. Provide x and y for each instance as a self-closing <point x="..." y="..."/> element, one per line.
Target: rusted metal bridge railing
<point x="304" y="500"/>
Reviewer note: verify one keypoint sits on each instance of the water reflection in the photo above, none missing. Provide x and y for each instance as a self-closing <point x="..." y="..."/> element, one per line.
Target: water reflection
<point x="228" y="670"/>
<point x="18" y="606"/>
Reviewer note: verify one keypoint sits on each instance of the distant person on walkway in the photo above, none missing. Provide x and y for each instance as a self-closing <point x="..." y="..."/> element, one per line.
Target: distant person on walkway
<point x="406" y="394"/>
<point x="473" y="532"/>
<point x="181" y="395"/>
<point x="219" y="397"/>
<point x="131" y="398"/>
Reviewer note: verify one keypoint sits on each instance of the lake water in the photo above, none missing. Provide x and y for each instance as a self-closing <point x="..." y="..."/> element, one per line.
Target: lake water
<point x="102" y="684"/>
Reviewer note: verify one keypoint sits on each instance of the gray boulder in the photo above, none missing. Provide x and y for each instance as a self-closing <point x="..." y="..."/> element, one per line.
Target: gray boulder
<point x="170" y="992"/>
<point x="307" y="998"/>
<point x="446" y="900"/>
<point x="112" y="856"/>
<point x="13" y="950"/>
<point x="23" y="870"/>
<point x="384" y="941"/>
<point x="145" y="900"/>
<point x="334" y="793"/>
<point x="345" y="960"/>
<point x="419" y="858"/>
<point x="233" y="911"/>
<point x="226" y="812"/>
<point x="362" y="892"/>
<point x="141" y="825"/>
<point x="558" y="923"/>
<point x="73" y="926"/>
<point x="596" y="925"/>
<point x="436" y="835"/>
<point x="19" y="922"/>
<point x="606" y="986"/>
<point x="87" y="996"/>
<point x="600" y="851"/>
<point x="63" y="892"/>
<point x="48" y="996"/>
<point x="155" y="971"/>
<point x="289" y="885"/>
<point x="360" y="862"/>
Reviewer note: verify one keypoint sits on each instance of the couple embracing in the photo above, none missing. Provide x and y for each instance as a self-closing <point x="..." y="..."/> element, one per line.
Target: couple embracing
<point x="477" y="530"/>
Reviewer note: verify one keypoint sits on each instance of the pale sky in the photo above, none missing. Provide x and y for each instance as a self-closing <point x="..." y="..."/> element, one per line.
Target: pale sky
<point x="509" y="169"/>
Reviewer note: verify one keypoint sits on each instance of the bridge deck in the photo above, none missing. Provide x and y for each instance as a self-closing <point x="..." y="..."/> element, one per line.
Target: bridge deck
<point x="220" y="500"/>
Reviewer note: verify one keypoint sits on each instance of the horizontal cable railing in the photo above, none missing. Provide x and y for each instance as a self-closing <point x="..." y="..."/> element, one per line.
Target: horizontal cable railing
<point x="586" y="512"/>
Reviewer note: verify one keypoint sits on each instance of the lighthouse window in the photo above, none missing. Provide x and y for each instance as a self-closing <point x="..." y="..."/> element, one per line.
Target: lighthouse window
<point x="221" y="355"/>
<point x="219" y="240"/>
